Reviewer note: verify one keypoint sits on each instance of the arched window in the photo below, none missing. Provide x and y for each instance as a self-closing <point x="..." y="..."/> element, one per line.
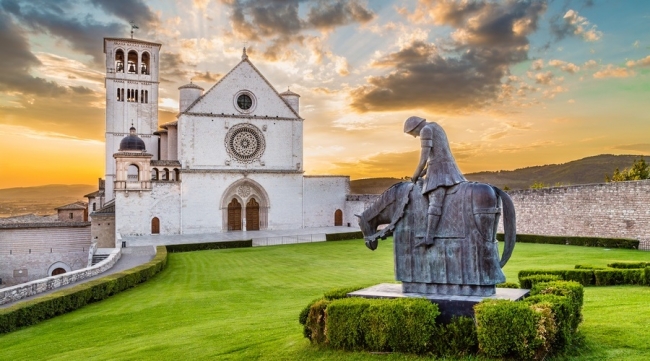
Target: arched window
<point x="144" y="66"/>
<point x="154" y="174"/>
<point x="119" y="95"/>
<point x="155" y="225"/>
<point x="132" y="174"/>
<point x="94" y="207"/>
<point x="146" y="96"/>
<point x="58" y="271"/>
<point x="122" y="92"/>
<point x="132" y="62"/>
<point x="177" y="174"/>
<point x="338" y="217"/>
<point x="119" y="61"/>
<point x="165" y="174"/>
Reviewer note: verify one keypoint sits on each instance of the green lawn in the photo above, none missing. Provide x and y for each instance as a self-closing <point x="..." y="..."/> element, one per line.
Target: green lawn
<point x="244" y="304"/>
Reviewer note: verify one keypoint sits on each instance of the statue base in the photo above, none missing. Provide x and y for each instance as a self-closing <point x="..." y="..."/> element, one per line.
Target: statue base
<point x="449" y="305"/>
<point x="448" y="289"/>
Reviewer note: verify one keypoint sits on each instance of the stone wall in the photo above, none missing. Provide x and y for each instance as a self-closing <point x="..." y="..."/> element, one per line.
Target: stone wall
<point x="15" y="293"/>
<point x="619" y="210"/>
<point x="27" y="251"/>
<point x="323" y="196"/>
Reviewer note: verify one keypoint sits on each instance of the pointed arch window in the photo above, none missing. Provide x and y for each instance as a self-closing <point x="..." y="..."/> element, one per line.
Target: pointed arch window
<point x="119" y="61"/>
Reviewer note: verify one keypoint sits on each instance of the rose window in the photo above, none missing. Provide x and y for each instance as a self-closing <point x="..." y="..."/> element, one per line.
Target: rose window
<point x="245" y="143"/>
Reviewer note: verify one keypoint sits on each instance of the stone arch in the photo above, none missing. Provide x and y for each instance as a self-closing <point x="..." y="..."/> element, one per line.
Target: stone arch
<point x="155" y="225"/>
<point x="133" y="173"/>
<point x="119" y="61"/>
<point x="144" y="63"/>
<point x="243" y="190"/>
<point x="154" y="174"/>
<point x="57" y="266"/>
<point x="132" y="62"/>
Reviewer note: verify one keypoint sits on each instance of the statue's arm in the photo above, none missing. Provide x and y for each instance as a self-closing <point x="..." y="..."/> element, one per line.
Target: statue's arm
<point x="426" y="138"/>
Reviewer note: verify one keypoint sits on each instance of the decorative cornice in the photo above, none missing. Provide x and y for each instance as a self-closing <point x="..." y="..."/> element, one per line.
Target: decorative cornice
<point x="243" y="171"/>
<point x="44" y="225"/>
<point x="239" y="116"/>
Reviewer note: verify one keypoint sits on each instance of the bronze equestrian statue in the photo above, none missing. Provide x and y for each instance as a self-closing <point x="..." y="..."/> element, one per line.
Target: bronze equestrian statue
<point x="444" y="227"/>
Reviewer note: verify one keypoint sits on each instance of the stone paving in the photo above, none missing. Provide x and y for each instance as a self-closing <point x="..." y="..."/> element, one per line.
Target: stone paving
<point x="260" y="238"/>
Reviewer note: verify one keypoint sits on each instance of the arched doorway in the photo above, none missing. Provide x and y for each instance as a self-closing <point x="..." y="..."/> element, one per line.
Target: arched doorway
<point x="252" y="215"/>
<point x="338" y="217"/>
<point x="58" y="271"/>
<point x="234" y="215"/>
<point x="155" y="225"/>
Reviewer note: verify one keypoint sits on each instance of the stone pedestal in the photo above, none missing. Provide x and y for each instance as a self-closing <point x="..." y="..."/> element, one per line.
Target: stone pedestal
<point x="449" y="305"/>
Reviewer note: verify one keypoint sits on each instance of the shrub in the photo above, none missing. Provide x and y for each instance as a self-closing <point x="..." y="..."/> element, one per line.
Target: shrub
<point x="343" y="236"/>
<point x="529" y="281"/>
<point x="646" y="276"/>
<point x="517" y="329"/>
<point x="175" y="248"/>
<point x="457" y="338"/>
<point x="315" y="322"/>
<point x="338" y="293"/>
<point x="587" y="266"/>
<point x="573" y="291"/>
<point x="577" y="241"/>
<point x="344" y="323"/>
<point x="508" y="285"/>
<point x="33" y="311"/>
<point x="613" y="277"/>
<point x="628" y="265"/>
<point x="583" y="276"/>
<point x="564" y="317"/>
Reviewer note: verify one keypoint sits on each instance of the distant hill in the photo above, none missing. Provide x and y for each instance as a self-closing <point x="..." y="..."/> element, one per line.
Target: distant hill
<point x="40" y="200"/>
<point x="581" y="171"/>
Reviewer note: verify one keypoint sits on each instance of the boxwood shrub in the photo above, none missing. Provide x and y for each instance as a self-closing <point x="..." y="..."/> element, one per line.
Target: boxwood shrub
<point x="577" y="241"/>
<point x="614" y="277"/>
<point x="545" y="323"/>
<point x="628" y="265"/>
<point x="175" y="248"/>
<point x="588" y="266"/>
<point x="33" y="311"/>
<point x="529" y="281"/>
<point x="343" y="236"/>
<point x="583" y="276"/>
<point x="646" y="276"/>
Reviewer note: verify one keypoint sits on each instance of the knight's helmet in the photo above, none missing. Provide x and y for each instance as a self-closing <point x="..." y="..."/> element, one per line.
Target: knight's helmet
<point x="412" y="123"/>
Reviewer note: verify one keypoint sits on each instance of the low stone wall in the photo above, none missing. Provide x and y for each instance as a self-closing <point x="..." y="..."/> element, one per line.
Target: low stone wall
<point x="18" y="292"/>
<point x="616" y="210"/>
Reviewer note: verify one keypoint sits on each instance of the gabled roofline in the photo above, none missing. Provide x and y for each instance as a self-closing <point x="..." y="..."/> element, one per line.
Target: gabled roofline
<point x="189" y="108"/>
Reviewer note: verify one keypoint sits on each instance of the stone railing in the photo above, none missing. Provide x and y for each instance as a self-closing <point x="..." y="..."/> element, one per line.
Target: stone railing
<point x="24" y="290"/>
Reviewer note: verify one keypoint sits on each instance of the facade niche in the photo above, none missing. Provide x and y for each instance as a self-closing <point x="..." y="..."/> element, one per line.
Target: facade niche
<point x="119" y="61"/>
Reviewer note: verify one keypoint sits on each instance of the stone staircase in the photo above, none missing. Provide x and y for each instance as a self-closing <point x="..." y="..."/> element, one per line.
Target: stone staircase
<point x="98" y="258"/>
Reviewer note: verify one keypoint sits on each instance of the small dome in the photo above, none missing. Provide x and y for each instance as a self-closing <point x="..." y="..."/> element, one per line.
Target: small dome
<point x="132" y="142"/>
<point x="289" y="92"/>
<point x="190" y="86"/>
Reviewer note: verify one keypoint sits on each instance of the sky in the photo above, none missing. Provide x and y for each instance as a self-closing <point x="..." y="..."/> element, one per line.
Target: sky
<point x="513" y="83"/>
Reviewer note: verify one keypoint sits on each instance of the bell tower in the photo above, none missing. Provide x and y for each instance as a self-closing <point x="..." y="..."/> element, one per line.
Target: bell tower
<point x="132" y="80"/>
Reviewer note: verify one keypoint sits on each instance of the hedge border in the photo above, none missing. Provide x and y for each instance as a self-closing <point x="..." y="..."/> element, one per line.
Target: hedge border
<point x="190" y="247"/>
<point x="593" y="276"/>
<point x="346" y="236"/>
<point x="576" y="241"/>
<point x="31" y="312"/>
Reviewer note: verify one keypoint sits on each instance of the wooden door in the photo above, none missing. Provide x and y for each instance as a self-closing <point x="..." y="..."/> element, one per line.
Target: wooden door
<point x="338" y="218"/>
<point x="252" y="215"/>
<point x="234" y="215"/>
<point x="155" y="225"/>
<point x="58" y="271"/>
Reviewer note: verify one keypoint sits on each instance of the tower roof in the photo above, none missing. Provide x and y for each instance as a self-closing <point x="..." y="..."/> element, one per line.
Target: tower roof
<point x="132" y="142"/>
<point x="190" y="86"/>
<point x="289" y="92"/>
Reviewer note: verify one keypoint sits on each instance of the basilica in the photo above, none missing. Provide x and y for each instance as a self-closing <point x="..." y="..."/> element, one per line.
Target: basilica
<point x="231" y="161"/>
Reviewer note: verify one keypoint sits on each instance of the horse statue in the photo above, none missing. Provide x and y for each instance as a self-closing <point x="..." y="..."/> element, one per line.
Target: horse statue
<point x="464" y="259"/>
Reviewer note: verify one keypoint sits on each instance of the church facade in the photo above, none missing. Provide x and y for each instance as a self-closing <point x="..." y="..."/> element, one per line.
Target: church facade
<point x="231" y="161"/>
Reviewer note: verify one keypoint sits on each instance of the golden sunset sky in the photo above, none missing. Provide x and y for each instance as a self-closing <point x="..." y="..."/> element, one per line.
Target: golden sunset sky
<point x="514" y="84"/>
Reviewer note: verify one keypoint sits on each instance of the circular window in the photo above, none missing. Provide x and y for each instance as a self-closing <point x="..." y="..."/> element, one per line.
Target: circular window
<point x="245" y="143"/>
<point x="244" y="101"/>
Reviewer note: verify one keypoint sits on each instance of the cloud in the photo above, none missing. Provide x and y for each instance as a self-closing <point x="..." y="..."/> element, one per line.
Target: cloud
<point x="280" y="24"/>
<point x="17" y="61"/>
<point x="640" y="147"/>
<point x="639" y="63"/>
<point x="542" y="78"/>
<point x="396" y="164"/>
<point x="51" y="17"/>
<point x="572" y="24"/>
<point x="488" y="38"/>
<point x="537" y="64"/>
<point x="612" y="71"/>
<point x="128" y="10"/>
<point x="565" y="66"/>
<point x="207" y="77"/>
<point x="590" y="64"/>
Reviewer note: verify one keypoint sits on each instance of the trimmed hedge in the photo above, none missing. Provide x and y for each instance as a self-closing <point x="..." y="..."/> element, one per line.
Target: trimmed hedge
<point x="588" y="266"/>
<point x="175" y="248"/>
<point x="545" y="323"/>
<point x="577" y="241"/>
<point x="529" y="281"/>
<point x="646" y="276"/>
<point x="508" y="285"/>
<point x="614" y="277"/>
<point x="542" y="324"/>
<point x="343" y="236"/>
<point x="31" y="312"/>
<point x="583" y="276"/>
<point x="628" y="265"/>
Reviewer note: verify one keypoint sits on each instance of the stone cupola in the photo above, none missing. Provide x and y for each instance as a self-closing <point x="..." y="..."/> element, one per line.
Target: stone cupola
<point x="188" y="94"/>
<point x="292" y="99"/>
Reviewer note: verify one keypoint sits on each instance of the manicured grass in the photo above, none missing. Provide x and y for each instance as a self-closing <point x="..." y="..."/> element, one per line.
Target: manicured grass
<point x="244" y="304"/>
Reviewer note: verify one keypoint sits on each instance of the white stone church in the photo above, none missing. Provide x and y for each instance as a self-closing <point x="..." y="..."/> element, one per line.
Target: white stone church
<point x="232" y="161"/>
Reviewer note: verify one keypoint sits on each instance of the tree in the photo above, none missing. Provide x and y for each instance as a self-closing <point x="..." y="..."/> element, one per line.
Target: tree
<point x="639" y="170"/>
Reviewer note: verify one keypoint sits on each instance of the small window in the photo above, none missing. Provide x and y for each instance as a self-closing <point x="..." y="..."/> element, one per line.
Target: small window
<point x="244" y="101"/>
<point x="71" y="215"/>
<point x="94" y="207"/>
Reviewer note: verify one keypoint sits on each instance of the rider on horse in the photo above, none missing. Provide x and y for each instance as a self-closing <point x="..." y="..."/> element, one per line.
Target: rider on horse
<point x="441" y="169"/>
